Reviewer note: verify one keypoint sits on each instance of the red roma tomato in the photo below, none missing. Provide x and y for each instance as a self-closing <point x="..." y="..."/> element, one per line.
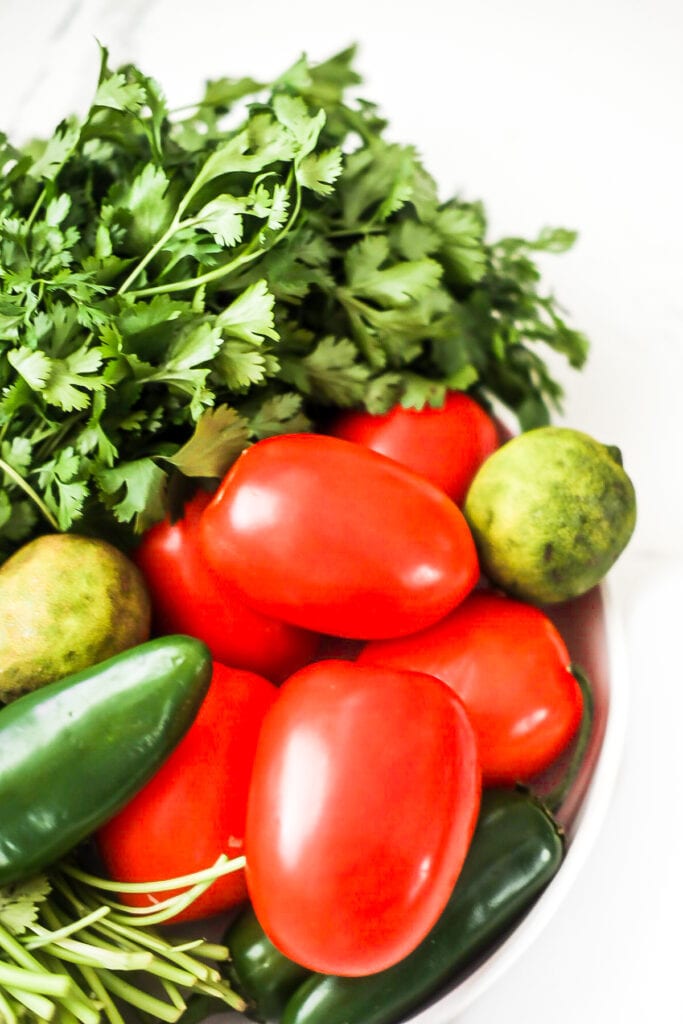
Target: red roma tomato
<point x="364" y="796"/>
<point x="194" y="808"/>
<point x="187" y="597"/>
<point x="333" y="537"/>
<point x="446" y="445"/>
<point x="509" y="665"/>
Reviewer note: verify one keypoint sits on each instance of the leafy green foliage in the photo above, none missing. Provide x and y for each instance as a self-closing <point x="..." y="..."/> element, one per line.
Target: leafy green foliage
<point x="174" y="287"/>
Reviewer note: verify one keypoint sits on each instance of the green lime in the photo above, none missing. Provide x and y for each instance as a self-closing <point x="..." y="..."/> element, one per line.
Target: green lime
<point x="66" y="602"/>
<point x="550" y="512"/>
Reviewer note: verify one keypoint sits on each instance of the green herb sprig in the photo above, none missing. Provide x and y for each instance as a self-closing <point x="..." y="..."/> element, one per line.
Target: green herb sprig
<point x="69" y="952"/>
<point x="177" y="285"/>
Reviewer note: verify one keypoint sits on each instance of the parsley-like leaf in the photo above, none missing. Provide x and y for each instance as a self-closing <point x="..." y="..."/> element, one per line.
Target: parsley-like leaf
<point x="223" y="217"/>
<point x="219" y="437"/>
<point x="249" y="316"/>
<point x="115" y="92"/>
<point x="137" y="489"/>
<point x="20" y="903"/>
<point x="319" y="172"/>
<point x="392" y="285"/>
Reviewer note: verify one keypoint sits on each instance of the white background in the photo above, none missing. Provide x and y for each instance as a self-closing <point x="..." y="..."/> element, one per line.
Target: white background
<point x="553" y="113"/>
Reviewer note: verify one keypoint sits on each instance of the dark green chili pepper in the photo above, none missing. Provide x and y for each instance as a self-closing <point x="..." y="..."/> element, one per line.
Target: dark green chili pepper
<point x="263" y="976"/>
<point x="516" y="849"/>
<point x="74" y="751"/>
<point x="258" y="971"/>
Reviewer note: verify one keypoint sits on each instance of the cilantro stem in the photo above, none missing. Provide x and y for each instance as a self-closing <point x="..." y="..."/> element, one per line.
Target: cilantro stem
<point x="136" y="997"/>
<point x="193" y="282"/>
<point x="36" y="207"/>
<point x="40" y="1006"/>
<point x="109" y="1007"/>
<point x="78" y="1005"/>
<point x="7" y="1013"/>
<point x="222" y="866"/>
<point x="175" y="286"/>
<point x="175" y="225"/>
<point x="359" y="229"/>
<point x="43" y="937"/>
<point x="101" y="955"/>
<point x="16" y="950"/>
<point x="54" y="439"/>
<point x="28" y="490"/>
<point x="38" y="981"/>
<point x="118" y="932"/>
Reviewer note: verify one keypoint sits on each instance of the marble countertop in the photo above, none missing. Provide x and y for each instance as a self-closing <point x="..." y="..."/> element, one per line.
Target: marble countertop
<point x="552" y="114"/>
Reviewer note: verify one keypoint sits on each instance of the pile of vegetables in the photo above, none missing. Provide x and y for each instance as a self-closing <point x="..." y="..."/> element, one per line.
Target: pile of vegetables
<point x="250" y="367"/>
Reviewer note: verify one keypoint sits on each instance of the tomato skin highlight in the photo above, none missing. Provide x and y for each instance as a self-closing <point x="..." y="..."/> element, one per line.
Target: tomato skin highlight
<point x="338" y="539"/>
<point x="188" y="597"/>
<point x="509" y="665"/>
<point x="364" y="798"/>
<point x="446" y="445"/>
<point x="194" y="808"/>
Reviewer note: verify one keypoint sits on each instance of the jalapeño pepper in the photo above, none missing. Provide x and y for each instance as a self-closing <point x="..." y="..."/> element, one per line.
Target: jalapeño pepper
<point x="74" y="751"/>
<point x="263" y="976"/>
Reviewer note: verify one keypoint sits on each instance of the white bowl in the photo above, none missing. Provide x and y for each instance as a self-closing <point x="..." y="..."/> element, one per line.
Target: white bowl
<point x="592" y="630"/>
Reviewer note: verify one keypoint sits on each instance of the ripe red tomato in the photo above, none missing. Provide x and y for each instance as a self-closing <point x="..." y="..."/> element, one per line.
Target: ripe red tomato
<point x="364" y="797"/>
<point x="446" y="445"/>
<point x="338" y="539"/>
<point x="187" y="597"/>
<point x="194" y="808"/>
<point x="510" y="666"/>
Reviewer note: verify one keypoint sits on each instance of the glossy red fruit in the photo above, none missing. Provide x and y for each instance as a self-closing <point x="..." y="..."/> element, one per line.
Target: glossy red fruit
<point x="194" y="808"/>
<point x="447" y="445"/>
<point x="364" y="797"/>
<point x="510" y="667"/>
<point x="338" y="539"/>
<point x="188" y="597"/>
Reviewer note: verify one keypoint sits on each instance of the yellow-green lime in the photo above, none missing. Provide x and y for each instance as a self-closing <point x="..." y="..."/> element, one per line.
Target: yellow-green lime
<point x="550" y="512"/>
<point x="66" y="602"/>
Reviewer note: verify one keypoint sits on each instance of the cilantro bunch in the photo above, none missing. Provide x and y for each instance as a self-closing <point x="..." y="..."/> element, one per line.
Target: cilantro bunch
<point x="71" y="953"/>
<point x="177" y="285"/>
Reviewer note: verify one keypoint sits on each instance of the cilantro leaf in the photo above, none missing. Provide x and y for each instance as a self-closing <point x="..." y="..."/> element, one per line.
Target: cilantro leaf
<point x="137" y="489"/>
<point x="330" y="373"/>
<point x="34" y="366"/>
<point x="249" y="317"/>
<point x="64" y="489"/>
<point x="20" y="903"/>
<point x="319" y="172"/>
<point x="145" y="207"/>
<point x="292" y="113"/>
<point x="221" y="93"/>
<point x="55" y="152"/>
<point x="279" y="414"/>
<point x="115" y="92"/>
<point x="392" y="285"/>
<point x="223" y="217"/>
<point x="219" y="437"/>
<point x="70" y="380"/>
